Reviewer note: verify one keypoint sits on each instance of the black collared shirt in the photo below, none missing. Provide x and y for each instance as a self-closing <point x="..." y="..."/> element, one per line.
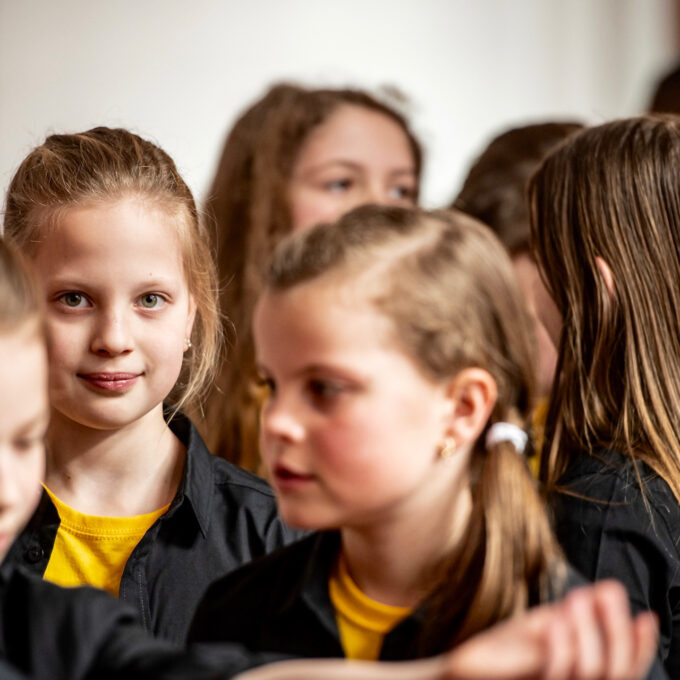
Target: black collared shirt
<point x="49" y="632"/>
<point x="281" y="603"/>
<point x="221" y="518"/>
<point x="609" y="529"/>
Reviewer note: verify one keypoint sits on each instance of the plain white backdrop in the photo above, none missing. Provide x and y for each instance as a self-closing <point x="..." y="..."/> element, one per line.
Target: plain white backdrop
<point x="180" y="71"/>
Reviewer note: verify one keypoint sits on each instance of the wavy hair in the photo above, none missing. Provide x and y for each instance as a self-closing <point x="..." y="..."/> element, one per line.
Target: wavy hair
<point x="248" y="204"/>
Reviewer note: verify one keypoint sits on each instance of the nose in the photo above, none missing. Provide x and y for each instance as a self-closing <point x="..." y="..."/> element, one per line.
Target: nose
<point x="280" y="424"/>
<point x="112" y="333"/>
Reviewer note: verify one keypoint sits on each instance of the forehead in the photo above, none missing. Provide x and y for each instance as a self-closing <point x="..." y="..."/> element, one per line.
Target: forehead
<point x="129" y="228"/>
<point x="352" y="130"/>
<point x="331" y="312"/>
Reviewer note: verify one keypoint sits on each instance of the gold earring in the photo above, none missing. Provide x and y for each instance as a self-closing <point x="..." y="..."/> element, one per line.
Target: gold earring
<point x="448" y="448"/>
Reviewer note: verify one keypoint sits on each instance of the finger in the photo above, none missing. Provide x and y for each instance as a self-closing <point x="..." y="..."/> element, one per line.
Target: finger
<point x="612" y="610"/>
<point x="646" y="643"/>
<point x="587" y="637"/>
<point x="559" y="647"/>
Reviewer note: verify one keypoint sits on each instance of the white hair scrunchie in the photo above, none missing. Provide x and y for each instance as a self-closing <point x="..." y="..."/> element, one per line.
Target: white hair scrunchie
<point x="507" y="432"/>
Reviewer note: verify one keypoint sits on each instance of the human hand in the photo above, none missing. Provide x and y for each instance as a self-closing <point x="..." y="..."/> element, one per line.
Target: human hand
<point x="589" y="635"/>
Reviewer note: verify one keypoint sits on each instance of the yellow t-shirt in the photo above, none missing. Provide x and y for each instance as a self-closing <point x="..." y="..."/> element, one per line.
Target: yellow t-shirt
<point x="362" y="622"/>
<point x="93" y="550"/>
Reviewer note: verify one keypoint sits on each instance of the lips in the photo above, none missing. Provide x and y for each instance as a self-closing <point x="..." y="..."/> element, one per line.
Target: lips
<point x="110" y="382"/>
<point x="286" y="479"/>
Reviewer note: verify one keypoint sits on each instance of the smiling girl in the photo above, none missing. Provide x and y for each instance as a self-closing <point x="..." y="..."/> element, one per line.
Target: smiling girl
<point x="134" y="502"/>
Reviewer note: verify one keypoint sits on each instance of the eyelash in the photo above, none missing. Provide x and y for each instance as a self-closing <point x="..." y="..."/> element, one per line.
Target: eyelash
<point x="160" y="299"/>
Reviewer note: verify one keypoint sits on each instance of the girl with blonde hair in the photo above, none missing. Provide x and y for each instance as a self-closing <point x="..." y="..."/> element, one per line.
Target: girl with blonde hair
<point x="134" y="503"/>
<point x="396" y="351"/>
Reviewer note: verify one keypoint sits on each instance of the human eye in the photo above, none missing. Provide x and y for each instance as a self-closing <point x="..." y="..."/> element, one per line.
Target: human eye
<point x="323" y="392"/>
<point x="403" y="192"/>
<point x="338" y="185"/>
<point x="151" y="301"/>
<point x="73" y="299"/>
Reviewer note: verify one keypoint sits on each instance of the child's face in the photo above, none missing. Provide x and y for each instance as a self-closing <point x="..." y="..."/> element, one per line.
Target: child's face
<point x="537" y="300"/>
<point x="351" y="430"/>
<point x="355" y="157"/>
<point x="119" y="311"/>
<point x="23" y="420"/>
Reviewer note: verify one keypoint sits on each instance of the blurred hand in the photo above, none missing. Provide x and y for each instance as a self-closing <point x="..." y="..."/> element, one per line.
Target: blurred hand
<point x="590" y="635"/>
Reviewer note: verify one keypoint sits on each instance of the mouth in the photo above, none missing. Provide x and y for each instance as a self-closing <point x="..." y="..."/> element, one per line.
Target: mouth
<point x="110" y="382"/>
<point x="287" y="479"/>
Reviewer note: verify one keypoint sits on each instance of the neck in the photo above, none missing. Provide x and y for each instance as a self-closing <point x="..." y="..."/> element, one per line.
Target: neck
<point x="394" y="559"/>
<point x="126" y="471"/>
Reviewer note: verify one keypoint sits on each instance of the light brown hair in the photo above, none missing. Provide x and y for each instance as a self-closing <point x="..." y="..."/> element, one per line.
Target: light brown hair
<point x="104" y="165"/>
<point x="613" y="192"/>
<point x="495" y="188"/>
<point x="21" y="302"/>
<point x="447" y="286"/>
<point x="249" y="206"/>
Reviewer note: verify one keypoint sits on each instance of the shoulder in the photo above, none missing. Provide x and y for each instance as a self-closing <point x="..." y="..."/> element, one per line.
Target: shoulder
<point x="86" y="620"/>
<point x="612" y="485"/>
<point x="204" y="464"/>
<point x="265" y="584"/>
<point x="44" y="600"/>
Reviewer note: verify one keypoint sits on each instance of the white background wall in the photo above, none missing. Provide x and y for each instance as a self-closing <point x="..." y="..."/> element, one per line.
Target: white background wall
<point x="179" y="71"/>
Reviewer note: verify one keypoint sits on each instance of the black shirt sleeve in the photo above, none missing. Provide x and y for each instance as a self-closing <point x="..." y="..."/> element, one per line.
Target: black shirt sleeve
<point x="610" y="528"/>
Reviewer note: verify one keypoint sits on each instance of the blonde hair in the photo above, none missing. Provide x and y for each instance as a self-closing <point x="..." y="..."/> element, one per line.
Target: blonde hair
<point x="248" y="202"/>
<point x="104" y="165"/>
<point x="447" y="285"/>
<point x="21" y="302"/>
<point x="613" y="192"/>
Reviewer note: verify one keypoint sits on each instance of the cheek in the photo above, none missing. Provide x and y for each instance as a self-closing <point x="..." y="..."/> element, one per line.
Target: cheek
<point x="309" y="208"/>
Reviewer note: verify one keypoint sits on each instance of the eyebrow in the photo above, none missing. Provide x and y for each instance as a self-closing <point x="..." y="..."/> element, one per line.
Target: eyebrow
<point x="350" y="165"/>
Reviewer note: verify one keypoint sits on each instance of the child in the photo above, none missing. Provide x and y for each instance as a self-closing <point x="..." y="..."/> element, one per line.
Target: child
<point x="134" y="502"/>
<point x="494" y="192"/>
<point x="605" y="218"/>
<point x="69" y="634"/>
<point x="396" y="350"/>
<point x="296" y="157"/>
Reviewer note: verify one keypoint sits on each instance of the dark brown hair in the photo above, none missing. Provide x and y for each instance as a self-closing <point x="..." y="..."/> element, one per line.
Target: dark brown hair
<point x="448" y="288"/>
<point x="248" y="203"/>
<point x="613" y="192"/>
<point x="494" y="190"/>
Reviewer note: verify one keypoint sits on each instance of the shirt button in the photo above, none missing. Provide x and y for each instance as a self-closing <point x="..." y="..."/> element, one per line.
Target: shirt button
<point x="34" y="554"/>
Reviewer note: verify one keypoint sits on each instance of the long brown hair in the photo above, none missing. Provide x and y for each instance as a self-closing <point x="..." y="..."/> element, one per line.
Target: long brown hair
<point x="248" y="204"/>
<point x="102" y="165"/>
<point x="613" y="192"/>
<point x="447" y="286"/>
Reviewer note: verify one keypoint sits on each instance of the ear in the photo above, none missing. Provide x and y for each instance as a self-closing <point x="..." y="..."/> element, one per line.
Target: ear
<point x="191" y="317"/>
<point x="607" y="275"/>
<point x="472" y="395"/>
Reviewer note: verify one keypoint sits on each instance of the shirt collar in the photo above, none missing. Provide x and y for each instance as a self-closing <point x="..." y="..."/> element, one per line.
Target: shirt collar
<point x="198" y="478"/>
